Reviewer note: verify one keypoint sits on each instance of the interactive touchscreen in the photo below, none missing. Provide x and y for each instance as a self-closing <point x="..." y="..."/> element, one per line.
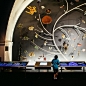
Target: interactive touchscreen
<point x="72" y="64"/>
<point x="43" y="63"/>
<point x="13" y="63"/>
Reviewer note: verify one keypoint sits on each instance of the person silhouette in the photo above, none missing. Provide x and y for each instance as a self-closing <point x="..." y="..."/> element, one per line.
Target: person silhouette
<point x="55" y="63"/>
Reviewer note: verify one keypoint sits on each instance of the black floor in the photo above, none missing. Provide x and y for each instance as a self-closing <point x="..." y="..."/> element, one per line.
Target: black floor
<point x="42" y="79"/>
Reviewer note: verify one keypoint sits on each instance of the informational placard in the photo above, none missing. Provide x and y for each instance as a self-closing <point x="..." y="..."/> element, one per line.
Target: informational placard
<point x="43" y="63"/>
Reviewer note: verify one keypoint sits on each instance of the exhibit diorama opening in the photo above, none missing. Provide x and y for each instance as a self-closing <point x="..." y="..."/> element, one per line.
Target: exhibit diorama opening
<point x="49" y="28"/>
<point x="43" y="29"/>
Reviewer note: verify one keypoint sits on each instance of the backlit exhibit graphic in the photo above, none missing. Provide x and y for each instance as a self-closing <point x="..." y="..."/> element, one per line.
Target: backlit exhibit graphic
<point x="58" y="32"/>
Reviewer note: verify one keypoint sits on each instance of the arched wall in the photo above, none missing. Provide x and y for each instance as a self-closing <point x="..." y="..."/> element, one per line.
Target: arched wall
<point x="18" y="7"/>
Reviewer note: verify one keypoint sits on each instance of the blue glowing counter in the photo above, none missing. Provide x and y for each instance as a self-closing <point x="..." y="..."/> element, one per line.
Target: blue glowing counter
<point x="13" y="64"/>
<point x="73" y="64"/>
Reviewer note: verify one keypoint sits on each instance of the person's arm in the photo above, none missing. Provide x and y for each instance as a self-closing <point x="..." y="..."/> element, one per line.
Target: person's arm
<point x="59" y="63"/>
<point x="52" y="61"/>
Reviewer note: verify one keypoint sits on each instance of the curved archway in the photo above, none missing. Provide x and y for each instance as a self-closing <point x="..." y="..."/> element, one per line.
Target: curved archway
<point x="18" y="7"/>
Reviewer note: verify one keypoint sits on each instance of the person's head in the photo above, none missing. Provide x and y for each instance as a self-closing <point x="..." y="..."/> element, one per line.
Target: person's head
<point x="56" y="56"/>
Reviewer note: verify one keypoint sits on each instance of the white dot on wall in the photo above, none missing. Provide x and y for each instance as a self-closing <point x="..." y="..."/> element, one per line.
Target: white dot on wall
<point x="49" y="60"/>
<point x="83" y="50"/>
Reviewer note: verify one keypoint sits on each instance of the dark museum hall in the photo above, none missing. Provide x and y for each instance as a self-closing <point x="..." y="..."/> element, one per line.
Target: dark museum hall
<point x="33" y="32"/>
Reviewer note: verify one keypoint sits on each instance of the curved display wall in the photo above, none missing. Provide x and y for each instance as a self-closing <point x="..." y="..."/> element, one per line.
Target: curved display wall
<point x="49" y="28"/>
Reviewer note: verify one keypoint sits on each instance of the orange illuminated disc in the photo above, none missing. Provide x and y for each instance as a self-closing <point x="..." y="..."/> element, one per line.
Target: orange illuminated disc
<point x="46" y="19"/>
<point x="79" y="44"/>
